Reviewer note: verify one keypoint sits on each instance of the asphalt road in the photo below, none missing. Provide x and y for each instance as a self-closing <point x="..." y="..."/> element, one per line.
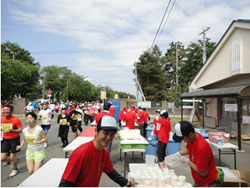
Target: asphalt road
<point x="54" y="149"/>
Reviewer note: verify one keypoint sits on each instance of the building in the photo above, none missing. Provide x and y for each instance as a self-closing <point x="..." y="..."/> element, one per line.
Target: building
<point x="223" y="83"/>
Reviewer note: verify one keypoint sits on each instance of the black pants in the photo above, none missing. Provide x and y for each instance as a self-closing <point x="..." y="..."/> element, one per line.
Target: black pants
<point x="161" y="151"/>
<point x="80" y="126"/>
<point x="143" y="130"/>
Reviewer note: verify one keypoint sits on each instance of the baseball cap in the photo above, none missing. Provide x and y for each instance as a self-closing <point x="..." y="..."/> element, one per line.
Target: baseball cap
<point x="73" y="106"/>
<point x="183" y="128"/>
<point x="107" y="123"/>
<point x="164" y="113"/>
<point x="158" y="111"/>
<point x="45" y="102"/>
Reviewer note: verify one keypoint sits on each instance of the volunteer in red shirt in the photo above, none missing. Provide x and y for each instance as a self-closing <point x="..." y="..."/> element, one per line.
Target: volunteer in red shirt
<point x="87" y="163"/>
<point x="11" y="126"/>
<point x="140" y="121"/>
<point x="163" y="138"/>
<point x="201" y="159"/>
<point x="156" y="123"/>
<point x="130" y="118"/>
<point x="112" y="110"/>
<point x="121" y="116"/>
<point x="104" y="112"/>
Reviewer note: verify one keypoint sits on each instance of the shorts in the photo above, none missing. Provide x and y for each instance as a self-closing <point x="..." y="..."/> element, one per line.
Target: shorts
<point x="45" y="126"/>
<point x="37" y="156"/>
<point x="74" y="125"/>
<point x="9" y="145"/>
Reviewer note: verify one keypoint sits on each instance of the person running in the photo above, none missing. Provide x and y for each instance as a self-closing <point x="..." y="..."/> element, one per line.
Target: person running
<point x="64" y="122"/>
<point x="45" y="115"/>
<point x="163" y="138"/>
<point x="73" y="115"/>
<point x="29" y="108"/>
<point x="11" y="127"/>
<point x="35" y="137"/>
<point x="87" y="163"/>
<point x="79" y="118"/>
<point x="201" y="158"/>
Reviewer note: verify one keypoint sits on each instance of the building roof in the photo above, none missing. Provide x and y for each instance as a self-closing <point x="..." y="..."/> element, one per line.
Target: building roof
<point x="243" y="90"/>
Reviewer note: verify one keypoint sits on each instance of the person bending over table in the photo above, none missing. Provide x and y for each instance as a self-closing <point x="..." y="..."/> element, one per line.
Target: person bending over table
<point x="201" y="159"/>
<point x="87" y="163"/>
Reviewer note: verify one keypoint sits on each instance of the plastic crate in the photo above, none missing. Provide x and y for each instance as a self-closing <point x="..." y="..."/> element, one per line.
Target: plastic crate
<point x="152" y="147"/>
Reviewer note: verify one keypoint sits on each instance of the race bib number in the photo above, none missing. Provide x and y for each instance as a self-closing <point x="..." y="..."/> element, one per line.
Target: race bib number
<point x="45" y="118"/>
<point x="158" y="126"/>
<point x="30" y="139"/>
<point x="63" y="122"/>
<point x="74" y="117"/>
<point x="6" y="126"/>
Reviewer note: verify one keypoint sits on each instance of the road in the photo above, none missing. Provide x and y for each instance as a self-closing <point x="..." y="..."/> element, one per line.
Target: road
<point x="54" y="149"/>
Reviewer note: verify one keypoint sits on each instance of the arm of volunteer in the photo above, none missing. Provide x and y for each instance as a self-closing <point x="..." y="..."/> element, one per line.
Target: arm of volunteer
<point x="193" y="166"/>
<point x="65" y="183"/>
<point x="116" y="177"/>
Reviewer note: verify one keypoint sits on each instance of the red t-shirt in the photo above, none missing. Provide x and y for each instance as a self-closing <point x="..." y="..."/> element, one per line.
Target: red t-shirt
<point x="130" y="118"/>
<point x="157" y="126"/>
<point x="112" y="111"/>
<point x="121" y="115"/>
<point x="101" y="114"/>
<point x="200" y="153"/>
<point x="164" y="130"/>
<point x="16" y="123"/>
<point x="86" y="165"/>
<point x="141" y="117"/>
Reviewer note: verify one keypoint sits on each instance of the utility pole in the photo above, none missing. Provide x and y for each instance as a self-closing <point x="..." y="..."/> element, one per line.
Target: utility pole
<point x="176" y="66"/>
<point x="204" y="43"/>
<point x="136" y="87"/>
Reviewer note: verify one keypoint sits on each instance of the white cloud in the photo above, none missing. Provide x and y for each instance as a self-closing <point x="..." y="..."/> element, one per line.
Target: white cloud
<point x="124" y="29"/>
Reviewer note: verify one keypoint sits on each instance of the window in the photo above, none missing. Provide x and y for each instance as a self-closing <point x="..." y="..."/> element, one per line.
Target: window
<point x="236" y="59"/>
<point x="246" y="106"/>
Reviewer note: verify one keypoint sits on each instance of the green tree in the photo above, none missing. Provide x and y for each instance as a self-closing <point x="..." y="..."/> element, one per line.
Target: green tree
<point x="150" y="75"/>
<point x="19" y="73"/>
<point x="193" y="62"/>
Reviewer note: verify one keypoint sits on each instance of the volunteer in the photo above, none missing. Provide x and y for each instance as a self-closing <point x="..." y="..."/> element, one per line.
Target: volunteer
<point x="11" y="127"/>
<point x="130" y="118"/>
<point x="201" y="159"/>
<point x="35" y="137"/>
<point x="87" y="163"/>
<point x="140" y="121"/>
<point x="163" y="138"/>
<point x="112" y="110"/>
<point x="156" y="123"/>
<point x="64" y="122"/>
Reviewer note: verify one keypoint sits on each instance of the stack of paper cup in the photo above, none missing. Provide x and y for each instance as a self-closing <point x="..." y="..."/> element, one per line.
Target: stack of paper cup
<point x="182" y="179"/>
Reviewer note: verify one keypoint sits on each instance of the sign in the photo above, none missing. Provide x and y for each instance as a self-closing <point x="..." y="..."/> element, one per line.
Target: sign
<point x="116" y="96"/>
<point x="231" y="107"/>
<point x="144" y="104"/>
<point x="49" y="92"/>
<point x="103" y="95"/>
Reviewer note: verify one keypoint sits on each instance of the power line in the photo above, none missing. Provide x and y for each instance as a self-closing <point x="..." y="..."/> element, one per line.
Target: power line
<point x="160" y="24"/>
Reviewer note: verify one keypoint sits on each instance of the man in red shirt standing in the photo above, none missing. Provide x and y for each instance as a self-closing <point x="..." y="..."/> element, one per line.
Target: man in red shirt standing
<point x="140" y="121"/>
<point x="201" y="159"/>
<point x="11" y="126"/>
<point x="130" y="118"/>
<point x="87" y="163"/>
<point x="163" y="138"/>
<point x="104" y="112"/>
<point x="111" y="110"/>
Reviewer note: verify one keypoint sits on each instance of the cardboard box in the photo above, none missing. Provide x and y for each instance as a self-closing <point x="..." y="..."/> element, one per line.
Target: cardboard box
<point x="243" y="179"/>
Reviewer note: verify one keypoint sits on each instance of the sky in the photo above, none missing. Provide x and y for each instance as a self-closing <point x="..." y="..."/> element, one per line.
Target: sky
<point x="101" y="39"/>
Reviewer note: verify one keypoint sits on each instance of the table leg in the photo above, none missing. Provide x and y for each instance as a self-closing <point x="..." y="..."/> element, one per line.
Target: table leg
<point x="219" y="157"/>
<point x="125" y="161"/>
<point x="234" y="158"/>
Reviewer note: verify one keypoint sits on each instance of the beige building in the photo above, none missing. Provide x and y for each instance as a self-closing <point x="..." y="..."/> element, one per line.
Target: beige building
<point x="223" y="83"/>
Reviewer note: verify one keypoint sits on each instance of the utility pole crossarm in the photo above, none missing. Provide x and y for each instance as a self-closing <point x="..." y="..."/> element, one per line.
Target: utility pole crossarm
<point x="204" y="43"/>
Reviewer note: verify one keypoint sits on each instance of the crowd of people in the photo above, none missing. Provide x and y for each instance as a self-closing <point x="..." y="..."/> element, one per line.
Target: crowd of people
<point x="90" y="160"/>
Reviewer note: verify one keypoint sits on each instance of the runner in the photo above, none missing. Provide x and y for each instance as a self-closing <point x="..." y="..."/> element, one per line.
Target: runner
<point x="79" y="118"/>
<point x="87" y="163"/>
<point x="73" y="115"/>
<point x="35" y="137"/>
<point x="46" y="115"/>
<point x="11" y="126"/>
<point x="64" y="122"/>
